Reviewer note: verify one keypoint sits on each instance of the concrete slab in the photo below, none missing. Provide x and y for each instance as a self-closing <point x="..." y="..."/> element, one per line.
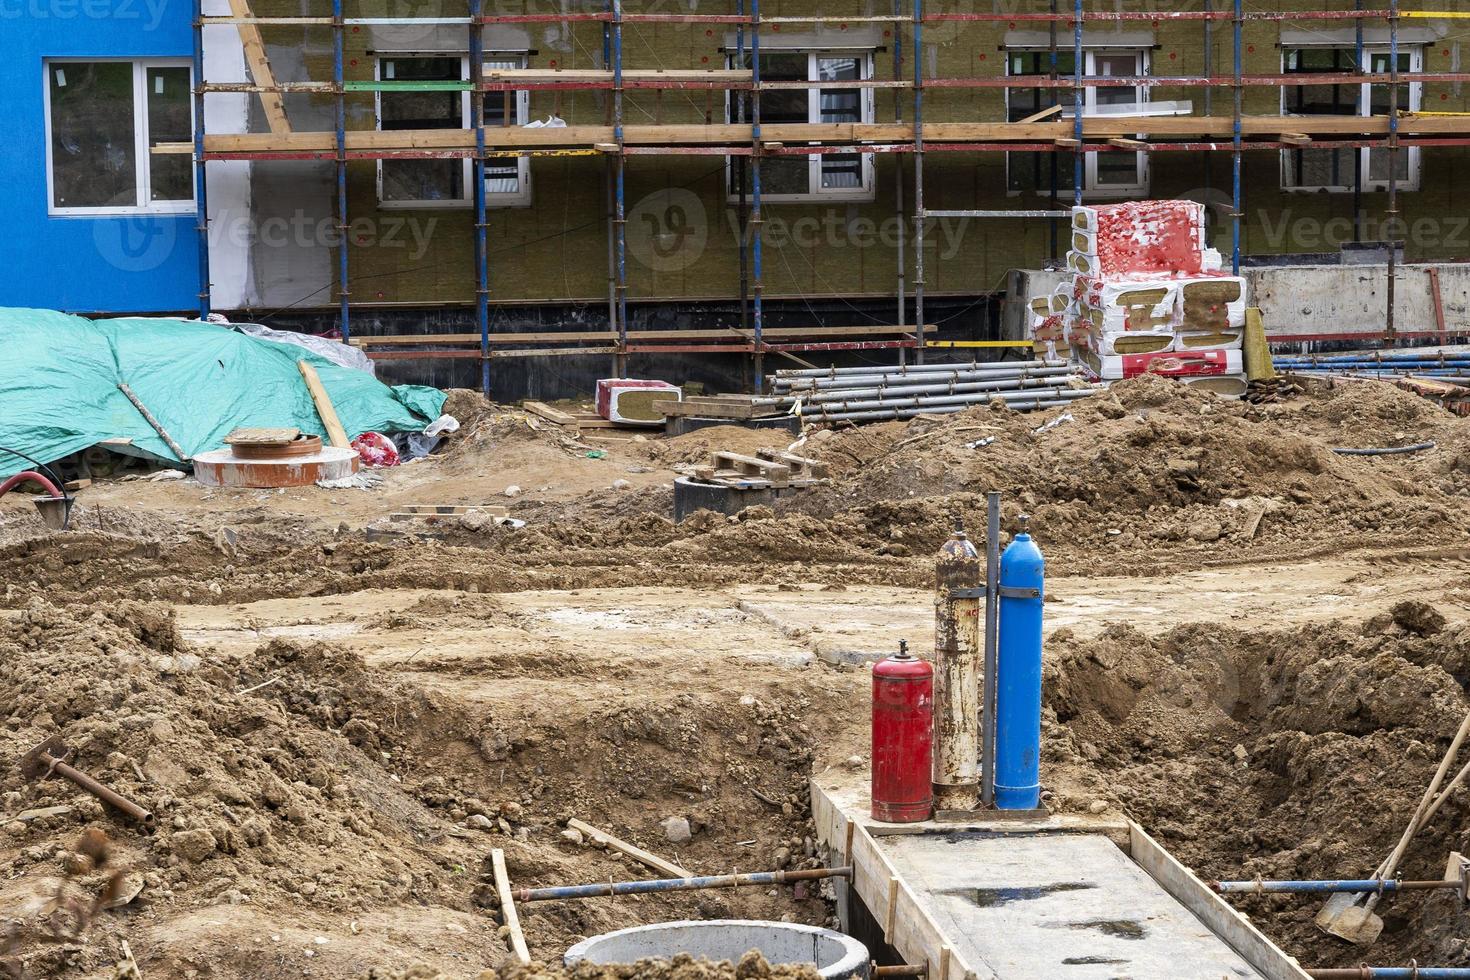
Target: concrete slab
<point x="1057" y="905"/>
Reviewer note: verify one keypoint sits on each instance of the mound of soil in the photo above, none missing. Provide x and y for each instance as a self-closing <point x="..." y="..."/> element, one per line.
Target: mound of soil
<point x="1291" y="754"/>
<point x="296" y="789"/>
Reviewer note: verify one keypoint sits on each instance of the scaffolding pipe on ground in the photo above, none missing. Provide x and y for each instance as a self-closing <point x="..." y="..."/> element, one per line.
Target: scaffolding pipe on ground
<point x="1392" y="973"/>
<point x="825" y="410"/>
<point x="836" y="372"/>
<point x="1329" y="886"/>
<point x="1048" y="401"/>
<point x="899" y="391"/>
<point x="606" y="888"/>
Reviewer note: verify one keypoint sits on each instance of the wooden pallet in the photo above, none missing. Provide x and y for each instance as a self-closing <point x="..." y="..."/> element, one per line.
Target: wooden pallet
<point x="802" y="467"/>
<point x="779" y="474"/>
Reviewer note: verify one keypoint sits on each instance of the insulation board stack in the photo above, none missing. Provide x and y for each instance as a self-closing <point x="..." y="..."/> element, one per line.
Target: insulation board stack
<point x="1145" y="294"/>
<point x="630" y="402"/>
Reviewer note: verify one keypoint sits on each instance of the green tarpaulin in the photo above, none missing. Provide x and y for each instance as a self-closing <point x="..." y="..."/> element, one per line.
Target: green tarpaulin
<point x="59" y="393"/>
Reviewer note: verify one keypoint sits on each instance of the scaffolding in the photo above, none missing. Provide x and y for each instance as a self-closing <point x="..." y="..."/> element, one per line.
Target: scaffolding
<point x="748" y="141"/>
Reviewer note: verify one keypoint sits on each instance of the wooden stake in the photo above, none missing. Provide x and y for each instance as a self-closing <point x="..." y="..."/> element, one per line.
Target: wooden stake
<point x="892" y="910"/>
<point x="508" y="906"/>
<point x="667" y="868"/>
<point x="168" y="440"/>
<point x="330" y="422"/>
<point x="260" y="69"/>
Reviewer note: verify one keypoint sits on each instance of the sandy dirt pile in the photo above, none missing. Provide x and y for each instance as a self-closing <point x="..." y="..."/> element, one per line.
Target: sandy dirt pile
<point x="1156" y="466"/>
<point x="1150" y="476"/>
<point x="296" y="790"/>
<point x="1279" y="754"/>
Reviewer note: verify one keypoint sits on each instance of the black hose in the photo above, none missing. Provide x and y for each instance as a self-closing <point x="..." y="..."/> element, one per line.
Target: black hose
<point x="1389" y="451"/>
<point x="55" y="478"/>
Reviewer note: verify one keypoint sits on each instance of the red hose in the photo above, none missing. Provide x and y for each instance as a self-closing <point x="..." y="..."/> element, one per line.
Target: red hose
<point x="33" y="477"/>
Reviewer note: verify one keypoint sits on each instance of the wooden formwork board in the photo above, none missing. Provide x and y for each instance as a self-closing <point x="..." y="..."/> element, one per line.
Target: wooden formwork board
<point x="907" y="927"/>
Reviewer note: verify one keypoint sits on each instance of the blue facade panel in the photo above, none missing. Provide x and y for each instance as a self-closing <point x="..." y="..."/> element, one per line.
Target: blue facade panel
<point x="84" y="264"/>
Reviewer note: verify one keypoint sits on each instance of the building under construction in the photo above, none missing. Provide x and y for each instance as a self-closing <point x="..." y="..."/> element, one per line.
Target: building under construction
<point x="471" y="189"/>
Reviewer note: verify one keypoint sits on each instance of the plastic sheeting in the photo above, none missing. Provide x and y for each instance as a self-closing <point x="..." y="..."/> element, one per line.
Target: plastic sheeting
<point x="59" y="378"/>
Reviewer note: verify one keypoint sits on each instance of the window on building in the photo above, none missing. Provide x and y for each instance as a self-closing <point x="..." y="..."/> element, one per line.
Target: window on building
<point x="1338" y="169"/>
<point x="1113" y="174"/>
<point x="448" y="183"/>
<point x="103" y="119"/>
<point x="816" y="176"/>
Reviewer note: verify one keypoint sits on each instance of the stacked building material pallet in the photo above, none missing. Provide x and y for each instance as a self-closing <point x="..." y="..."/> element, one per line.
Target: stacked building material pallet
<point x="1146" y="296"/>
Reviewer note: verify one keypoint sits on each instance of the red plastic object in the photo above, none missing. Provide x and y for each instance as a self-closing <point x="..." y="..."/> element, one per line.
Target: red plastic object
<point x="376" y="449"/>
<point x="903" y="739"/>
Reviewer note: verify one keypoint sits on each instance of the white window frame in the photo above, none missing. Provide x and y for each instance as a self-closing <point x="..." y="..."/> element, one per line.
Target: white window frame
<point x="493" y="61"/>
<point x="143" y="168"/>
<point x="1365" y="109"/>
<point x="865" y="191"/>
<point x="1090" y="188"/>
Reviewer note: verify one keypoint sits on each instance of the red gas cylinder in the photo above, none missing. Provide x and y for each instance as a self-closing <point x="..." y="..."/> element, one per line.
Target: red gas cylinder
<point x="903" y="738"/>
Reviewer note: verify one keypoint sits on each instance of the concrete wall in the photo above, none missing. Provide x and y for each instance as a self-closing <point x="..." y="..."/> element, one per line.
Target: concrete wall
<point x="84" y="264"/>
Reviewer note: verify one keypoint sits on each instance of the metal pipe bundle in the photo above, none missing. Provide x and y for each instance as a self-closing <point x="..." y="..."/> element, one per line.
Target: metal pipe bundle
<point x="1054" y="395"/>
<point x="876" y="415"/>
<point x="836" y="372"/>
<point x="809" y="387"/>
<point x="926" y="392"/>
<point x="876" y="393"/>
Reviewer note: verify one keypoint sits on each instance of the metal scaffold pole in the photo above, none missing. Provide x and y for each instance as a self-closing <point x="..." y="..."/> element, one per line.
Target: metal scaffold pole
<point x="339" y="84"/>
<point x="898" y="183"/>
<point x="620" y="189"/>
<point x="756" y="221"/>
<point x="1079" y="177"/>
<point x="610" y="178"/>
<point x="482" y="251"/>
<point x="1235" y="153"/>
<point x="1393" y="164"/>
<point x="919" y="217"/>
<point x="201" y="187"/>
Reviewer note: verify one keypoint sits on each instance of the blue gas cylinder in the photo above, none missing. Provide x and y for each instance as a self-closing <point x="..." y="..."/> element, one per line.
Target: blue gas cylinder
<point x="1018" y="677"/>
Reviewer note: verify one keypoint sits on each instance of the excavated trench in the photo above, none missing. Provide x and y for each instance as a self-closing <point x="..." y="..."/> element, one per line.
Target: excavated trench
<point x="1296" y="753"/>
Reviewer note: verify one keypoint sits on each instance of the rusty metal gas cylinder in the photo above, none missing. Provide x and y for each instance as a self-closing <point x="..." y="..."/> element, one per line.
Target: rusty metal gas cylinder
<point x="903" y="738"/>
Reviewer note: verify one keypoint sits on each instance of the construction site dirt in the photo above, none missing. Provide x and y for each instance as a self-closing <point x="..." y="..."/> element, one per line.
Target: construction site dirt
<point x="1255" y="647"/>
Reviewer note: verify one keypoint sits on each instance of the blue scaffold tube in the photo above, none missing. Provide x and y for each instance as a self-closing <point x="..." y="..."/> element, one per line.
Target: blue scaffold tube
<point x="1327" y="886"/>
<point x="1018" y="677"/>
